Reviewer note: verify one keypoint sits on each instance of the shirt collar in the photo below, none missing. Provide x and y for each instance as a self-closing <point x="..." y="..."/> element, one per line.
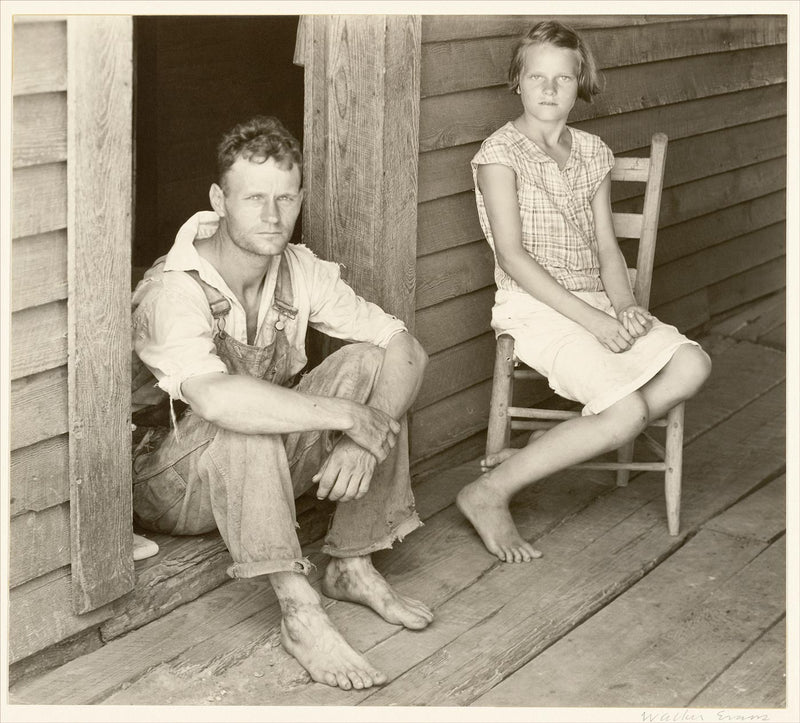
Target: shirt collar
<point x="183" y="255"/>
<point x="539" y="156"/>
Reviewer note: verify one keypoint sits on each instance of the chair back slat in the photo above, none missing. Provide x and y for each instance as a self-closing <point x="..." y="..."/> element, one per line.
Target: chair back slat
<point x="627" y="225"/>
<point x="631" y="169"/>
<point x="650" y="211"/>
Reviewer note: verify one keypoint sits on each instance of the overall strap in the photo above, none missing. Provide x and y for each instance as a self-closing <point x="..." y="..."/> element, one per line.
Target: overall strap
<point x="218" y="304"/>
<point x="284" y="294"/>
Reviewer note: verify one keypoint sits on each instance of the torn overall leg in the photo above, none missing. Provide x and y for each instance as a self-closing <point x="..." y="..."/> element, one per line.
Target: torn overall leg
<point x="245" y="484"/>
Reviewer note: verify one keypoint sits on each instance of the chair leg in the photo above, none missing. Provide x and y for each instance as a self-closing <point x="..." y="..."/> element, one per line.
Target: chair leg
<point x="674" y="462"/>
<point x="498" y="434"/>
<point x="624" y="455"/>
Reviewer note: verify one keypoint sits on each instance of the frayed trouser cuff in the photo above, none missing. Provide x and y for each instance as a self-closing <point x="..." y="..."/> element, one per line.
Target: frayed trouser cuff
<point x="267" y="567"/>
<point x="396" y="535"/>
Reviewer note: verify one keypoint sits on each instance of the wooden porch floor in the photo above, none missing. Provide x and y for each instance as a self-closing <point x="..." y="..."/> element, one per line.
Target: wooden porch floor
<point x="616" y="614"/>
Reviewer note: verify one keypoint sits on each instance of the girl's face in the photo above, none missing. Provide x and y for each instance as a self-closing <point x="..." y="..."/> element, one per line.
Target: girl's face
<point x="548" y="83"/>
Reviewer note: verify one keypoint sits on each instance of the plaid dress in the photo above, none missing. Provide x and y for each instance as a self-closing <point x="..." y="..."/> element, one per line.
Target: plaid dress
<point x="558" y="232"/>
<point x="557" y="221"/>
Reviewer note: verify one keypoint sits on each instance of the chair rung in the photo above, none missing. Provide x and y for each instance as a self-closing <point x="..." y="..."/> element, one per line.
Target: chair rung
<point x="644" y="466"/>
<point x="534" y="425"/>
<point x="528" y="413"/>
<point x="526" y="373"/>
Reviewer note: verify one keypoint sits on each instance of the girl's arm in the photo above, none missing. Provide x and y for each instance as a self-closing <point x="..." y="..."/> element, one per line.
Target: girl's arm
<point x="613" y="268"/>
<point x="498" y="185"/>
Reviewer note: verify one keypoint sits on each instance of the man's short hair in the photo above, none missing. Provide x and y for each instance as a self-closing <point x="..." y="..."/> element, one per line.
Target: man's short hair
<point x="552" y="32"/>
<point x="258" y="140"/>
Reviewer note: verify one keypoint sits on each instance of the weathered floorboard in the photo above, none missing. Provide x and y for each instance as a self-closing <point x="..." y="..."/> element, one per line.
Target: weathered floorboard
<point x="761" y="516"/>
<point x="713" y="598"/>
<point x="756" y="680"/>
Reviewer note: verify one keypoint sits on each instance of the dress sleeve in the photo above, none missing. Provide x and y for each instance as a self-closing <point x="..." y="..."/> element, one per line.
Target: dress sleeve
<point x="602" y="163"/>
<point x="494" y="150"/>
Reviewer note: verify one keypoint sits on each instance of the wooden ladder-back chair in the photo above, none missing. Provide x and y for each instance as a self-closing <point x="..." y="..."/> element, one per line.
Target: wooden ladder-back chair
<point x="503" y="417"/>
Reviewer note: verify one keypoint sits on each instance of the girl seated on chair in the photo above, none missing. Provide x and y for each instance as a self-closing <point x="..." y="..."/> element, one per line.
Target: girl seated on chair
<point x="563" y="291"/>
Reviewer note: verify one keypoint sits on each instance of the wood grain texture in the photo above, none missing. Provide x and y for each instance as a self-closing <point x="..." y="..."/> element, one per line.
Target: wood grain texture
<point x="100" y="81"/>
<point x="453" y="272"/>
<point x="40" y="614"/>
<point x="453" y="66"/>
<point x="436" y="329"/>
<point x="688" y="313"/>
<point x="719" y="262"/>
<point x="38" y="269"/>
<point x="38" y="408"/>
<point x="471" y="116"/>
<point x="41" y="543"/>
<point x="38" y="339"/>
<point x="40" y="129"/>
<point x="747" y="286"/>
<point x="760" y="516"/>
<point x="39" y="475"/>
<point x="39" y="199"/>
<point x="436" y="28"/>
<point x="363" y="129"/>
<point x="757" y="679"/>
<point x="710" y="618"/>
<point x="447" y="171"/>
<point x="40" y="57"/>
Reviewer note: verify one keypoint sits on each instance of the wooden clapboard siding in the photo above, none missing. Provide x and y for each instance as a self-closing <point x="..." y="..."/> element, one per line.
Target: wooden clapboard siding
<point x="40" y="57"/>
<point x="714" y="84"/>
<point x="447" y="171"/>
<point x="39" y="475"/>
<point x="41" y="543"/>
<point x="39" y="199"/>
<point x="40" y="129"/>
<point x="39" y="339"/>
<point x="481" y="62"/>
<point x="38" y="269"/>
<point x="472" y="115"/>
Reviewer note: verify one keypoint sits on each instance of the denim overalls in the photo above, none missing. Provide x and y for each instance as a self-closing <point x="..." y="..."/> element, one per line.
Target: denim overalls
<point x="198" y="476"/>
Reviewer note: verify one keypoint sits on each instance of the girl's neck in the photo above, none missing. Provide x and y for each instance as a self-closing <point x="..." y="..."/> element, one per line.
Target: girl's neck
<point x="545" y="135"/>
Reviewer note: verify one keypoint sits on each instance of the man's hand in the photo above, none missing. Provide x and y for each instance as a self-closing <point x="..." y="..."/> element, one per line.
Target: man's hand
<point x="373" y="430"/>
<point x="636" y="319"/>
<point x="347" y="473"/>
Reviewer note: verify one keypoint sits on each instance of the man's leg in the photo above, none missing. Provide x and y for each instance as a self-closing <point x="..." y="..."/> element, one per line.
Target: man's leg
<point x="204" y="477"/>
<point x="374" y="522"/>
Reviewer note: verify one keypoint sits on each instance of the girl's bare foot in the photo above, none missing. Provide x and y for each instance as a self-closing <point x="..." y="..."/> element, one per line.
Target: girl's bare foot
<point x="488" y="512"/>
<point x="308" y="634"/>
<point x="354" y="579"/>
<point x="494" y="460"/>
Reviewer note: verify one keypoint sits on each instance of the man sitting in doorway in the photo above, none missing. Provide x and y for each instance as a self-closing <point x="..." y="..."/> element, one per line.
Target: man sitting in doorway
<point x="221" y="321"/>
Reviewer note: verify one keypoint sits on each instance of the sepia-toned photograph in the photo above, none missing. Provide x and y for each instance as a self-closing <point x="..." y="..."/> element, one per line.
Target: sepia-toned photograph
<point x="399" y="361"/>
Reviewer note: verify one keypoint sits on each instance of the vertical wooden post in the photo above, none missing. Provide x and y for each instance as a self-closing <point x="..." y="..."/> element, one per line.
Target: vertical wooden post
<point x="361" y="151"/>
<point x="99" y="162"/>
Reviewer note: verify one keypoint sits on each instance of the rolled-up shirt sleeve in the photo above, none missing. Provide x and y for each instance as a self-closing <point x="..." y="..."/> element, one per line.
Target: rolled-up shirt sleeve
<point x="336" y="310"/>
<point x="173" y="336"/>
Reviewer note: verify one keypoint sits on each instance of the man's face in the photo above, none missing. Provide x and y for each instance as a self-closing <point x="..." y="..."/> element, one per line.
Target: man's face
<point x="259" y="205"/>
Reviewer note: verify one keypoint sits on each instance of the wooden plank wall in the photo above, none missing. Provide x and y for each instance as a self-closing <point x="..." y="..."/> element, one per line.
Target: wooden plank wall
<point x="39" y="470"/>
<point x="714" y="84"/>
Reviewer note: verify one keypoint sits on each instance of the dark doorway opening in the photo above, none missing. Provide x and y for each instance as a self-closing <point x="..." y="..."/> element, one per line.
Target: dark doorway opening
<point x="196" y="77"/>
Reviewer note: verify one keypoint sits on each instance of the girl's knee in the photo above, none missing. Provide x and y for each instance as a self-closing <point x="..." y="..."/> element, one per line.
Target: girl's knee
<point x="694" y="367"/>
<point x="629" y="417"/>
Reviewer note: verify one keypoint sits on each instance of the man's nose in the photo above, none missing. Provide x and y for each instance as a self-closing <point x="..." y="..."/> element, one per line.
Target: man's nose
<point x="269" y="211"/>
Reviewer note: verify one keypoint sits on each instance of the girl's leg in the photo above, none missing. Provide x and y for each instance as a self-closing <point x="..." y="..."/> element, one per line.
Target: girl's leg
<point x="678" y="381"/>
<point x="485" y="501"/>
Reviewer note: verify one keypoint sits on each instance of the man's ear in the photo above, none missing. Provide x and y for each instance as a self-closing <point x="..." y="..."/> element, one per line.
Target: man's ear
<point x="217" y="197"/>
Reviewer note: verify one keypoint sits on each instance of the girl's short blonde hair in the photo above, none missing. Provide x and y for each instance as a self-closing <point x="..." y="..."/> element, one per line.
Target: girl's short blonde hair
<point x="562" y="36"/>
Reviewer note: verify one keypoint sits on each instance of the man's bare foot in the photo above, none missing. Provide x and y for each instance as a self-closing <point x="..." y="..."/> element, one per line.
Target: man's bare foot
<point x="308" y="634"/>
<point x="354" y="579"/>
<point x="489" y="515"/>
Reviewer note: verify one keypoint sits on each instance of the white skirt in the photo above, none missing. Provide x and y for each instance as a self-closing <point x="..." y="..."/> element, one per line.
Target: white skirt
<point x="577" y="366"/>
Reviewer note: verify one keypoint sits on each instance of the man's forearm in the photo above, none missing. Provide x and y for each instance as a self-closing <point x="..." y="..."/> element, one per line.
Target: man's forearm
<point x="252" y="406"/>
<point x="400" y="377"/>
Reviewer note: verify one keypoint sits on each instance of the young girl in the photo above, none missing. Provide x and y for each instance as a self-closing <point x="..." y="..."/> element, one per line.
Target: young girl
<point x="563" y="292"/>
